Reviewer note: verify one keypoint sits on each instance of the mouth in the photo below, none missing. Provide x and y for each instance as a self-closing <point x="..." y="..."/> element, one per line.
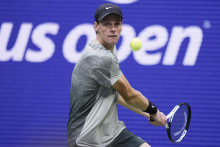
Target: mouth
<point x="113" y="36"/>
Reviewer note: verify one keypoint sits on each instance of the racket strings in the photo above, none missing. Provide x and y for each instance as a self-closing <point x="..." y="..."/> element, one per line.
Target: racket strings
<point x="179" y="122"/>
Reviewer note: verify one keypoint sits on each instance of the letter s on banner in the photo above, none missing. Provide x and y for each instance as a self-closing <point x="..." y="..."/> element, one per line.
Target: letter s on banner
<point x="40" y="39"/>
<point x="69" y="46"/>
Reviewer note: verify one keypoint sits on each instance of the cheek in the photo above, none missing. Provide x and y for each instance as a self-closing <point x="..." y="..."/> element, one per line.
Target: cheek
<point x="104" y="33"/>
<point x="119" y="30"/>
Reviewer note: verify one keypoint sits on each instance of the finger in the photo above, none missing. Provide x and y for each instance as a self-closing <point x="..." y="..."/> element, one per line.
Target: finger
<point x="148" y="116"/>
<point x="153" y="123"/>
<point x="165" y="121"/>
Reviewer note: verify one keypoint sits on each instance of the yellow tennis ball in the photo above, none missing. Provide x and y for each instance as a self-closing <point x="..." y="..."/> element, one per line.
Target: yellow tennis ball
<point x="135" y="44"/>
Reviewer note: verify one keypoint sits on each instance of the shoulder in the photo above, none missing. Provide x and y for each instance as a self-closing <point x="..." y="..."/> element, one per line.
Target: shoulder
<point x="98" y="54"/>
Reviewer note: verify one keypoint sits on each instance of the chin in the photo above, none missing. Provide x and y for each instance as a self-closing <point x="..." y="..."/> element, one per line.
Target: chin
<point x="114" y="41"/>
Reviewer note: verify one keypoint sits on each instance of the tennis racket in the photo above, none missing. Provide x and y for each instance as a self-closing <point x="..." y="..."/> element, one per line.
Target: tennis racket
<point x="178" y="124"/>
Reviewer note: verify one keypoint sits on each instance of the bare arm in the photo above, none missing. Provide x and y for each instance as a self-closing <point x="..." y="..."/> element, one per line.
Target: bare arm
<point x="131" y="96"/>
<point x="122" y="102"/>
<point x="135" y="101"/>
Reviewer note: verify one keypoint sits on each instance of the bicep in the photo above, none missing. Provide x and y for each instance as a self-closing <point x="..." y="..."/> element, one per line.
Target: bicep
<point x="131" y="96"/>
<point x="123" y="87"/>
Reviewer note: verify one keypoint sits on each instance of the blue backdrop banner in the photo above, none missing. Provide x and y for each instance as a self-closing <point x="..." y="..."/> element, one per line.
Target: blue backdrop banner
<point x="41" y="40"/>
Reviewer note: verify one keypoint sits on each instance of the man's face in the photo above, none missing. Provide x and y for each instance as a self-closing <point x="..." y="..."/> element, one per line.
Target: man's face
<point x="109" y="30"/>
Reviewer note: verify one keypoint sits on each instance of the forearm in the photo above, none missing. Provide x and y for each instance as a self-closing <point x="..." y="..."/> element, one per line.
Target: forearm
<point x="122" y="102"/>
<point x="137" y="100"/>
<point x="160" y="118"/>
<point x="131" y="96"/>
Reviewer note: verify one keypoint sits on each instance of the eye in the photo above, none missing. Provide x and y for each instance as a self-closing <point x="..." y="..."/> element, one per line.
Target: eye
<point x="106" y="24"/>
<point x="117" y="24"/>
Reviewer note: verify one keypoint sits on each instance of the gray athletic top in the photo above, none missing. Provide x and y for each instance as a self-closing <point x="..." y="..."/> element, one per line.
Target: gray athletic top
<point x="93" y="118"/>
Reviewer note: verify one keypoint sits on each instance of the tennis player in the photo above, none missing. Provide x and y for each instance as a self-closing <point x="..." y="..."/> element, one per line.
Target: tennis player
<point x="98" y="85"/>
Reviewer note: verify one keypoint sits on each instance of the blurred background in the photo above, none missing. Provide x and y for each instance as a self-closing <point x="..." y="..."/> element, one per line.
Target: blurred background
<point x="41" y="40"/>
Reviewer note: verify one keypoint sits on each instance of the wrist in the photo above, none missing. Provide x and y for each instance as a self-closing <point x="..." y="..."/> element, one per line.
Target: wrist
<point x="151" y="109"/>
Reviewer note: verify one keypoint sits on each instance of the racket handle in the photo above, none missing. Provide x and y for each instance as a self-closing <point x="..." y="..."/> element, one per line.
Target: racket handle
<point x="151" y="118"/>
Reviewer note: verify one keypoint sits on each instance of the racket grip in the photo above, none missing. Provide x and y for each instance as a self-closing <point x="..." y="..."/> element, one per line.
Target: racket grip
<point x="151" y="118"/>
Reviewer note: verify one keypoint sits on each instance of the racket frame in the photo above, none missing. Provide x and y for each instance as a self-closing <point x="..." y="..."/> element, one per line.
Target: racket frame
<point x="170" y="117"/>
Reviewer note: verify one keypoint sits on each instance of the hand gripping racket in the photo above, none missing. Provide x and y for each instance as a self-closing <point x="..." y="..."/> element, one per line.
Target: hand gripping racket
<point x="178" y="124"/>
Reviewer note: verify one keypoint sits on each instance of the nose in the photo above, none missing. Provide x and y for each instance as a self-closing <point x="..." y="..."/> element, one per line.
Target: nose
<point x="113" y="28"/>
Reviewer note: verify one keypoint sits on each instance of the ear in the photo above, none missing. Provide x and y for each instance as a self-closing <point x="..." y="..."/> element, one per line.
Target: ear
<point x="96" y="26"/>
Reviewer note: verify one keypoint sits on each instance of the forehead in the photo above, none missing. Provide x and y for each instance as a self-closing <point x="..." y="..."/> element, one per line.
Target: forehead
<point x="112" y="17"/>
